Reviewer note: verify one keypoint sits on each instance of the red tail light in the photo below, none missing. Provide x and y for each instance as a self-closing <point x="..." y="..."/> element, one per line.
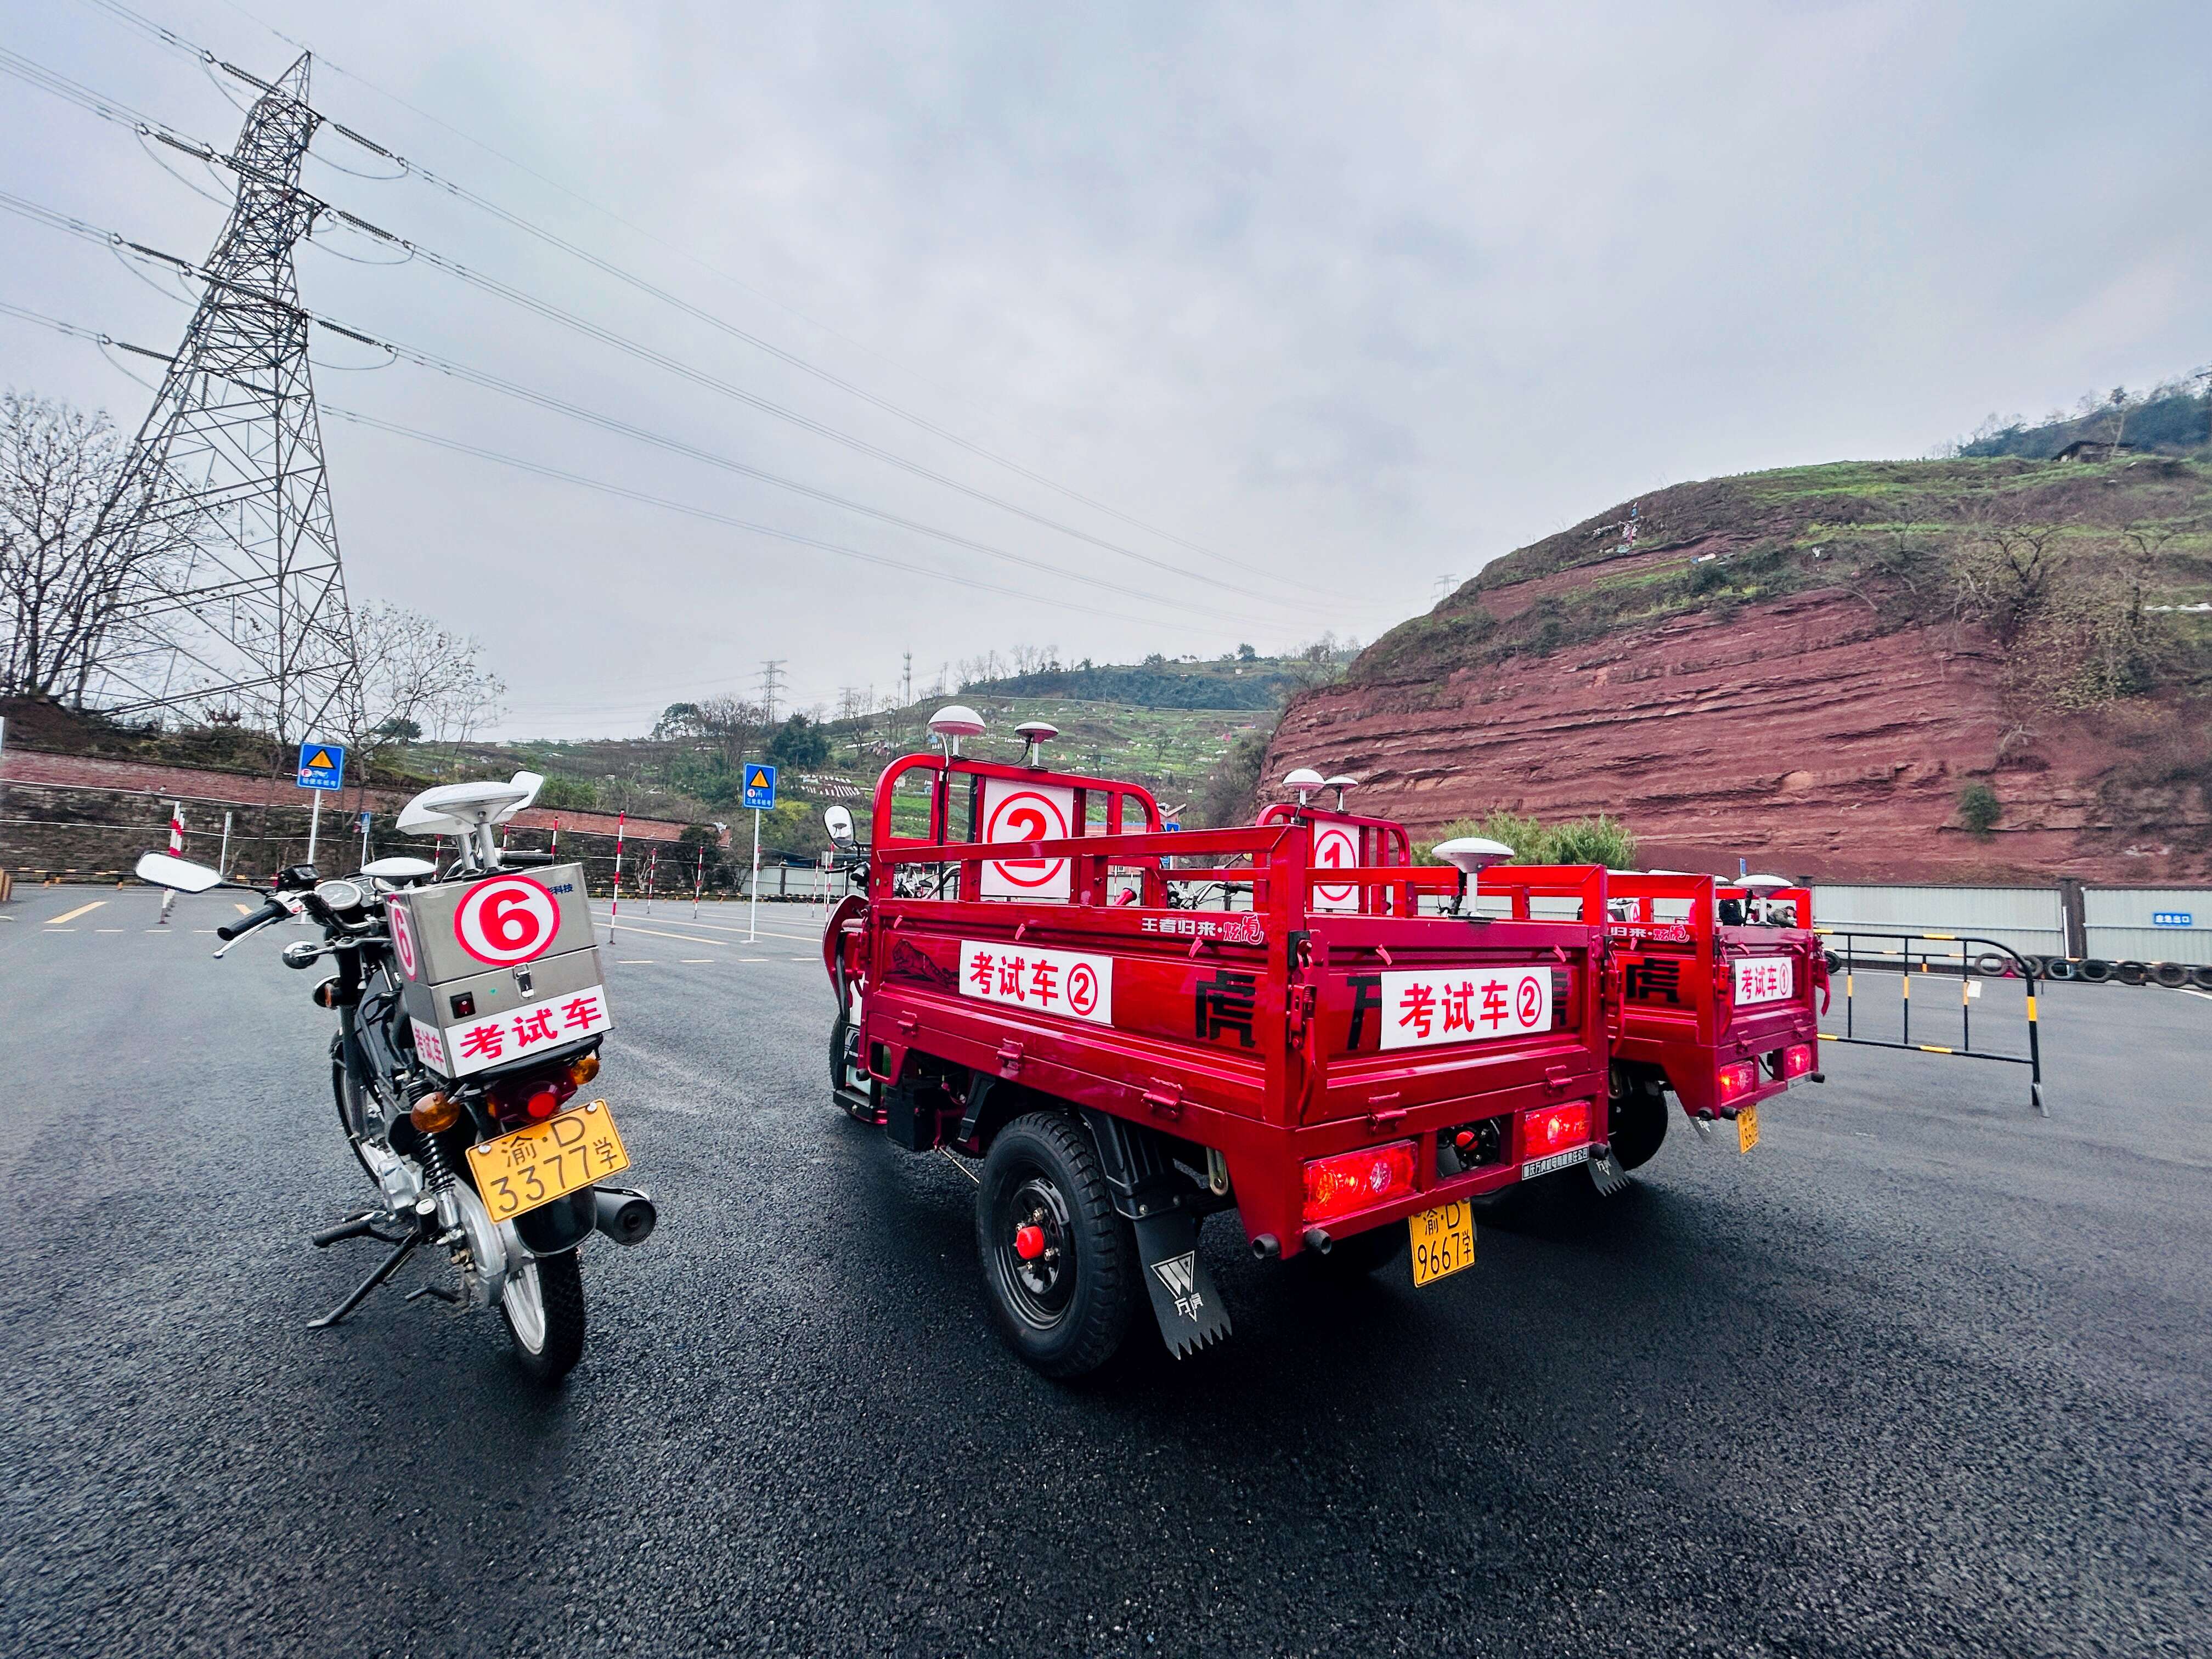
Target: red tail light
<point x="1797" y="1060"/>
<point x="1359" y="1180"/>
<point x="1554" y="1129"/>
<point x="1740" y="1080"/>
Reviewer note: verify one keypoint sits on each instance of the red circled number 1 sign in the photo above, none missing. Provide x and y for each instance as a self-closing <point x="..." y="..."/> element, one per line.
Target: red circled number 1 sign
<point x="1016" y="811"/>
<point x="1334" y="847"/>
<point x="507" y="919"/>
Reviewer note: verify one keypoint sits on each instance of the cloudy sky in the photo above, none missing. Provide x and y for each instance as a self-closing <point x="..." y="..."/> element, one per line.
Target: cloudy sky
<point x="1245" y="322"/>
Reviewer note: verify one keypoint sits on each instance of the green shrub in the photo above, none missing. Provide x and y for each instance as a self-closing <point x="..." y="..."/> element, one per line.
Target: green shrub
<point x="575" y="793"/>
<point x="1601" y="839"/>
<point x="1979" y="809"/>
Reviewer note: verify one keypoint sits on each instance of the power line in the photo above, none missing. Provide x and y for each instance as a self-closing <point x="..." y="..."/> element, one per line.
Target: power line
<point x="699" y="313"/>
<point x="662" y="360"/>
<point x="606" y="422"/>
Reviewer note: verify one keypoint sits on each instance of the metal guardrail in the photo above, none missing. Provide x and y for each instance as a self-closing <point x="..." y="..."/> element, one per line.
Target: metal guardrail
<point x="1965" y="953"/>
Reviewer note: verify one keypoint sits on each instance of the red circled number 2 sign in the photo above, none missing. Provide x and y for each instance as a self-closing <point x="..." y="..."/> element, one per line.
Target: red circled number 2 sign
<point x="1082" y="989"/>
<point x="507" y="919"/>
<point x="1528" y="1001"/>
<point x="1014" y="811"/>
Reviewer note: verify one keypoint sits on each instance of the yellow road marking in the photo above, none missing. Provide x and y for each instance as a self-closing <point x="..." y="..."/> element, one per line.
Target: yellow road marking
<point x="71" y="915"/>
<point x="1930" y="1049"/>
<point x="242" y="909"/>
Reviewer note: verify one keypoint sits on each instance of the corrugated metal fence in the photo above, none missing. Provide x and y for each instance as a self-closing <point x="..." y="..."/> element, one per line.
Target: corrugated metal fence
<point x="2123" y="924"/>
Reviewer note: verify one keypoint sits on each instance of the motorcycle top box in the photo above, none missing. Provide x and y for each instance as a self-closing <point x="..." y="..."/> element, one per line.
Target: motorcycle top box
<point x="497" y="969"/>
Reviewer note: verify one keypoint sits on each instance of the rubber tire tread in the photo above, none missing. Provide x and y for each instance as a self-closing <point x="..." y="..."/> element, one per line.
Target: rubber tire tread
<point x="561" y="1285"/>
<point x="1108" y="1289"/>
<point x="1645" y="1111"/>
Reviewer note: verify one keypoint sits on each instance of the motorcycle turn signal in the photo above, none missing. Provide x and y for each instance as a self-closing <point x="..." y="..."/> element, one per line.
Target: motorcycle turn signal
<point x="434" y="1112"/>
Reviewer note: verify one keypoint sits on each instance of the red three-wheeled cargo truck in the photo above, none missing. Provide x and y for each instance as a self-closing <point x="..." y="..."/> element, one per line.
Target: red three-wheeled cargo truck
<point x="1026" y="978"/>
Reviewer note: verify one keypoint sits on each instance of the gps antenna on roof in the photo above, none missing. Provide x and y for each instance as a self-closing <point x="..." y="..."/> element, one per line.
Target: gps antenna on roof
<point x="1339" y="783"/>
<point x="1036" y="734"/>
<point x="953" y="723"/>
<point x="1472" y="854"/>
<point x="1303" y="781"/>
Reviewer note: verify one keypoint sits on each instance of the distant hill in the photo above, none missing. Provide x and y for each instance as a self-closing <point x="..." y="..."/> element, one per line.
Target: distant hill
<point x="2174" y="419"/>
<point x="1810" y="667"/>
<point x="1258" y="683"/>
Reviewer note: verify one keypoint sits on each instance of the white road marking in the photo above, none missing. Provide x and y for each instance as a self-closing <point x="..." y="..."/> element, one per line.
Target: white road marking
<point x="71" y="915"/>
<point x="753" y="958"/>
<point x="729" y="927"/>
<point x="107" y="930"/>
<point x="655" y="932"/>
<point x="633" y="962"/>
<point x="693" y="961"/>
<point x="2186" y="992"/>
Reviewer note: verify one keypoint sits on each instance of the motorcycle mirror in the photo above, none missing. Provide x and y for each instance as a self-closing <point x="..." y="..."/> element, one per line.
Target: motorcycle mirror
<point x="167" y="870"/>
<point x="839" y="821"/>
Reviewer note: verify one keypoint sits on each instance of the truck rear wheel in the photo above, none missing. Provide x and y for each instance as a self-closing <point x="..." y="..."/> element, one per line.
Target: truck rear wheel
<point x="1059" y="1264"/>
<point x="1635" y="1116"/>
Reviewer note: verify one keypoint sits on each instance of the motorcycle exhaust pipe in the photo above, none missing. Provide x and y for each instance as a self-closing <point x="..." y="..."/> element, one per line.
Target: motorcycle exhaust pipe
<point x="626" y="1218"/>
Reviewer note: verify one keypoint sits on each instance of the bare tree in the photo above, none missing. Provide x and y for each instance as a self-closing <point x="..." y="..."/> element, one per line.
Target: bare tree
<point x="75" y="538"/>
<point x="2001" y="572"/>
<point x="418" y="679"/>
<point x="732" y="728"/>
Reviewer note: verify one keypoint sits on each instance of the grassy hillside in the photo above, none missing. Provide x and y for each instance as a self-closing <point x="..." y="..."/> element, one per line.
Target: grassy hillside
<point x="1915" y="540"/>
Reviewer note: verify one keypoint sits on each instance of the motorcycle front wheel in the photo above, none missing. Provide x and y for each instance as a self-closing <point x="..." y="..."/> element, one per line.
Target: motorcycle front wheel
<point x="543" y="1307"/>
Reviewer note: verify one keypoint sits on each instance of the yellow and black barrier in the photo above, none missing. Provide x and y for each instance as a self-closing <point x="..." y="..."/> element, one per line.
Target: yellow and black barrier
<point x="1937" y="956"/>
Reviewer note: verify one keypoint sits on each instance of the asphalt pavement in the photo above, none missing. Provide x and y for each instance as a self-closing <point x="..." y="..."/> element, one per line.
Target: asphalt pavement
<point x="1923" y="1374"/>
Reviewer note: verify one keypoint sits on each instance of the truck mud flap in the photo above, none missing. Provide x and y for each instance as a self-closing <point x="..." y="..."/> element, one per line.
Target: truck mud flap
<point x="1607" y="1174"/>
<point x="1184" y="1300"/>
<point x="1164" y="1209"/>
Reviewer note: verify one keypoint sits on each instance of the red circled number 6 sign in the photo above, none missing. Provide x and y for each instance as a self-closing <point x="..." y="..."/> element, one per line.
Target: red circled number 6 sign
<point x="507" y="919"/>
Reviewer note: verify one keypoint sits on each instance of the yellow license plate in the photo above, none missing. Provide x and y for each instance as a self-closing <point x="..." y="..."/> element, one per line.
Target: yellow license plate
<point x="1747" y="1128"/>
<point x="1443" y="1241"/>
<point x="517" y="1173"/>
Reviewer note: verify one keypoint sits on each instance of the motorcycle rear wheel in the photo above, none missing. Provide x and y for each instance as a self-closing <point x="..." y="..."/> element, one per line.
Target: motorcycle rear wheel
<point x="543" y="1307"/>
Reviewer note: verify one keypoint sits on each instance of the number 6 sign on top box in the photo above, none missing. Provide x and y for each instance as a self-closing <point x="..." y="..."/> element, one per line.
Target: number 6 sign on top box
<point x="498" y="969"/>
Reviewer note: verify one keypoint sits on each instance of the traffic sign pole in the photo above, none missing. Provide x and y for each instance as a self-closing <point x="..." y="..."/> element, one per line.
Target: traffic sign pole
<point x="752" y="914"/>
<point x="760" y="794"/>
<point x="314" y="823"/>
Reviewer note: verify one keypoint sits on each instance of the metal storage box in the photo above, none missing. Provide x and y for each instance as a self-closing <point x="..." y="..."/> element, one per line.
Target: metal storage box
<point x="497" y="970"/>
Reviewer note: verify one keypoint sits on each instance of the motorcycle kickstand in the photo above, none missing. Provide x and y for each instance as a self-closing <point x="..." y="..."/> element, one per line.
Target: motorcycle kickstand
<point x="385" y="1270"/>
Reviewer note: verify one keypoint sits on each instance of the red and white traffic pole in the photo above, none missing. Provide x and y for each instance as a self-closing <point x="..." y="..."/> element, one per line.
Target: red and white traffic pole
<point x="176" y="850"/>
<point x="553" y="848"/>
<point x="614" y="918"/>
<point x="652" y="874"/>
<point x="698" y="880"/>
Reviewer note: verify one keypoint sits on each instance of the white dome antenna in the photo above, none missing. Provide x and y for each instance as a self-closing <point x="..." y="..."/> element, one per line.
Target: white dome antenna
<point x="1339" y="783"/>
<point x="1036" y="734"/>
<point x="1472" y="855"/>
<point x="1303" y="781"/>
<point x="1765" y="886"/>
<point x="954" y="722"/>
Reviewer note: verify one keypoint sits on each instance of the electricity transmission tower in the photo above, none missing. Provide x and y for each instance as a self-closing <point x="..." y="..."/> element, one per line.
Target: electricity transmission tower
<point x="771" y="683"/>
<point x="253" y="615"/>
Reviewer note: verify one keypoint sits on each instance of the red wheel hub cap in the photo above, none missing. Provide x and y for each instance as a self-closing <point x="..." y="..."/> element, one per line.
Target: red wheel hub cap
<point x="1029" y="1240"/>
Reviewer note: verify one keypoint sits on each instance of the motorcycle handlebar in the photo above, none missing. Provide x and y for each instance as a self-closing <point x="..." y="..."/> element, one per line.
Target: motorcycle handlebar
<point x="273" y="910"/>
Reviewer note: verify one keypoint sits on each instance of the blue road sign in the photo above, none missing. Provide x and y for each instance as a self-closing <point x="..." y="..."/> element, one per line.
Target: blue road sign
<point x="2170" y="919"/>
<point x="322" y="765"/>
<point x="760" y="787"/>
